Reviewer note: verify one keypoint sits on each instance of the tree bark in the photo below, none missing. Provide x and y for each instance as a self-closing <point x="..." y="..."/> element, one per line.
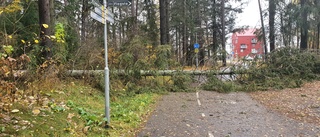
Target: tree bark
<point x="52" y="16"/>
<point x="134" y="18"/>
<point x="318" y="35"/>
<point x="167" y="22"/>
<point x="163" y="23"/>
<point x="272" y="13"/>
<point x="45" y="32"/>
<point x="224" y="57"/>
<point x="84" y="18"/>
<point x="184" y="35"/>
<point x="214" y="32"/>
<point x="263" y="31"/>
<point x="283" y="32"/>
<point x="317" y="3"/>
<point x="114" y="33"/>
<point x="304" y="26"/>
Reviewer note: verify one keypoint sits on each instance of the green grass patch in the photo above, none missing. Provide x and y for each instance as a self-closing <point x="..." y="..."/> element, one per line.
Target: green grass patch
<point x="75" y="109"/>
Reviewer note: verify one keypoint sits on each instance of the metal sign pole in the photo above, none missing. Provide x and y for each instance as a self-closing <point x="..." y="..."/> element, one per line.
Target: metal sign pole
<point x="197" y="60"/>
<point x="106" y="69"/>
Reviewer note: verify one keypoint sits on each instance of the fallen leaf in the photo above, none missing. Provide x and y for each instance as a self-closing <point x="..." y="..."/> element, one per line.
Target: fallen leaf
<point x="45" y="26"/>
<point x="31" y="97"/>
<point x="70" y="115"/>
<point x="36" y="111"/>
<point x="85" y="129"/>
<point x="15" y="111"/>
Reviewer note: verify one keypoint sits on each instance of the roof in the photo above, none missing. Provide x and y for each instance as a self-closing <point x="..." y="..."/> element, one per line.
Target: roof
<point x="247" y="32"/>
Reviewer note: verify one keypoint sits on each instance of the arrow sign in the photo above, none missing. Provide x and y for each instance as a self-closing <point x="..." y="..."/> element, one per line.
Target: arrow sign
<point x="119" y="2"/>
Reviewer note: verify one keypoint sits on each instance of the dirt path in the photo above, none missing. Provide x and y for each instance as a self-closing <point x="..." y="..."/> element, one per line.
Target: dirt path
<point x="212" y="114"/>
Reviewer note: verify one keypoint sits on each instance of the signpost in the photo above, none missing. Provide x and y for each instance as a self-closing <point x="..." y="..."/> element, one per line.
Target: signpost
<point x="102" y="14"/>
<point x="196" y="50"/>
<point x="119" y="2"/>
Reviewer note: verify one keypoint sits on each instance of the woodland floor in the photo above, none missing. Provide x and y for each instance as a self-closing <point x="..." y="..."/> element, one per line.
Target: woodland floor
<point x="287" y="112"/>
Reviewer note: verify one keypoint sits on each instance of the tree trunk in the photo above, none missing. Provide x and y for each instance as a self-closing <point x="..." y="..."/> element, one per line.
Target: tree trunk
<point x="224" y="57"/>
<point x="163" y="21"/>
<point x="283" y="32"/>
<point x="114" y="33"/>
<point x="52" y="16"/>
<point x="120" y="27"/>
<point x="167" y="22"/>
<point x="214" y="33"/>
<point x="272" y="13"/>
<point x="179" y="44"/>
<point x="304" y="26"/>
<point x="200" y="33"/>
<point x="263" y="31"/>
<point x="44" y="20"/>
<point x="184" y="35"/>
<point x="84" y="18"/>
<point x="318" y="35"/>
<point x="134" y="18"/>
<point x="176" y="43"/>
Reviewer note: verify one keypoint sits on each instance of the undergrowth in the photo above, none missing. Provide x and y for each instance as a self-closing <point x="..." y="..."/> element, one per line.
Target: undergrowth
<point x="75" y="109"/>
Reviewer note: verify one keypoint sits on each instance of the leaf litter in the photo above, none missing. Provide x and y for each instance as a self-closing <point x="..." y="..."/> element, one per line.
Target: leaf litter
<point x="302" y="104"/>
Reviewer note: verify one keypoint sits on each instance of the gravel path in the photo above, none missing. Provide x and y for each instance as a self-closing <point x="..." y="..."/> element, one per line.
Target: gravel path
<point x="212" y="114"/>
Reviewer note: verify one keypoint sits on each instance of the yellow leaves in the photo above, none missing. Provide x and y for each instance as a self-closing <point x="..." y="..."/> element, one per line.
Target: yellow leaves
<point x="35" y="41"/>
<point x="45" y="26"/>
<point x="295" y="1"/>
<point x="8" y="49"/>
<point x="10" y="36"/>
<point x="60" y="41"/>
<point x="36" y="111"/>
<point x="53" y="37"/>
<point x="153" y="56"/>
<point x="149" y="47"/>
<point x="13" y="7"/>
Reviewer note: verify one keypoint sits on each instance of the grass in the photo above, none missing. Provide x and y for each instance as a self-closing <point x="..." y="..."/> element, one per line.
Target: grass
<point x="76" y="109"/>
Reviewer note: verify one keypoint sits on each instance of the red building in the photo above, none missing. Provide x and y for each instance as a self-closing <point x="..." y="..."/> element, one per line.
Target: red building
<point x="246" y="44"/>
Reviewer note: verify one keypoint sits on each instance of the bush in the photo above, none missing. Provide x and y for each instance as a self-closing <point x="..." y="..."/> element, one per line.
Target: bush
<point x="218" y="85"/>
<point x="285" y="68"/>
<point x="181" y="83"/>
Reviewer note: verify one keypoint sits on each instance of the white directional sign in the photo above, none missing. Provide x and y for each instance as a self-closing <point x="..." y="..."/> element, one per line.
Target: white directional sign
<point x="101" y="13"/>
<point x="97" y="17"/>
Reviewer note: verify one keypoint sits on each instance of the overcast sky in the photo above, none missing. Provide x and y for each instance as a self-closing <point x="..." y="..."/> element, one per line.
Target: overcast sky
<point x="250" y="15"/>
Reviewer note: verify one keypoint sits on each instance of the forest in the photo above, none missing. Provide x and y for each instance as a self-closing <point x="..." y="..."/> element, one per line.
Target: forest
<point x="42" y="41"/>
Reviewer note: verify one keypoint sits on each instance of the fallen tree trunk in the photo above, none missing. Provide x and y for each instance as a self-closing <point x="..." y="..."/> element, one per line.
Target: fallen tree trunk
<point x="150" y="72"/>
